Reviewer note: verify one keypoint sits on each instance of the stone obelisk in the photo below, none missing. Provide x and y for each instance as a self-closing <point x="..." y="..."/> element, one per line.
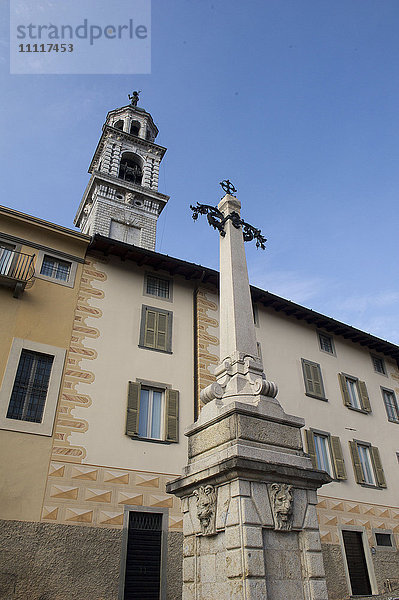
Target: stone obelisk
<point x="248" y="491"/>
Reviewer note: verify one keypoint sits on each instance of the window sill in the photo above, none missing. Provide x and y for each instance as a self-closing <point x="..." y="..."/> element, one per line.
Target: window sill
<point x="317" y="397"/>
<point x="328" y="353"/>
<point x="372" y="487"/>
<point x="153" y="440"/>
<point x="380" y="373"/>
<point x="359" y="410"/>
<point x="156" y="349"/>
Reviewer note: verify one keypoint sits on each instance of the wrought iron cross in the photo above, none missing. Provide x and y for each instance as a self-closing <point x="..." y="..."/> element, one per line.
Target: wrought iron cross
<point x="217" y="220"/>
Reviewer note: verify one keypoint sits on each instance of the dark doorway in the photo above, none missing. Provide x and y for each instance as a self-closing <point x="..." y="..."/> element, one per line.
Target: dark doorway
<point x="143" y="559"/>
<point x="357" y="566"/>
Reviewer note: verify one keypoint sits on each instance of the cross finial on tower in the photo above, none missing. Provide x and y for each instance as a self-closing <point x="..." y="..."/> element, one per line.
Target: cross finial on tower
<point x="134" y="98"/>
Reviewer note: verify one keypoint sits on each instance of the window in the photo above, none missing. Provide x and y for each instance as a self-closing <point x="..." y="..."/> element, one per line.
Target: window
<point x="255" y="313"/>
<point x="367" y="464"/>
<point x="7" y="256"/>
<point x="326" y="453"/>
<point x="157" y="286"/>
<point x="119" y="125"/>
<point x="135" y="128"/>
<point x="29" y="392"/>
<point x="378" y="364"/>
<point x="383" y="539"/>
<point x="326" y="343"/>
<point x="152" y="412"/>
<point x="354" y="393"/>
<point x="55" y="268"/>
<point x="313" y="380"/>
<point x="130" y="168"/>
<point x="156" y="329"/>
<point x="391" y="405"/>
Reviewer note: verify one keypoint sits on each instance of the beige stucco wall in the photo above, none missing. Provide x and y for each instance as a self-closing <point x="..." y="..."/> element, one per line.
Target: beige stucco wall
<point x="284" y="342"/>
<point x="120" y="360"/>
<point x="42" y="314"/>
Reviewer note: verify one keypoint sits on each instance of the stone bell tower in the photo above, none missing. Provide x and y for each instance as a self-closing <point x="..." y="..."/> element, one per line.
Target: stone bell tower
<point x="121" y="200"/>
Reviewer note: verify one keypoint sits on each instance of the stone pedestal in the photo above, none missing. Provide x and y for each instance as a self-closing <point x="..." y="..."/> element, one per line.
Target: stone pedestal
<point x="249" y="504"/>
<point x="248" y="491"/>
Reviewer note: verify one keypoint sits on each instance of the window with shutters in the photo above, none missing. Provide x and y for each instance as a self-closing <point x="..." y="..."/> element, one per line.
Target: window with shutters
<point x="313" y="379"/>
<point x="161" y="287"/>
<point x="152" y="412"/>
<point x="367" y="464"/>
<point x="378" y="364"/>
<point x="156" y="329"/>
<point x="326" y="343"/>
<point x="391" y="405"/>
<point x="354" y="393"/>
<point x="326" y="453"/>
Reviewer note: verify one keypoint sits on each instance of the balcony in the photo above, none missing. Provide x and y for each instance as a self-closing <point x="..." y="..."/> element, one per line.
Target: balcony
<point x="17" y="270"/>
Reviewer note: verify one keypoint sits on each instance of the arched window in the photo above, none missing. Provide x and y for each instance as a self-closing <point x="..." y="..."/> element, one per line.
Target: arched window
<point x="119" y="124"/>
<point x="135" y="127"/>
<point x="130" y="168"/>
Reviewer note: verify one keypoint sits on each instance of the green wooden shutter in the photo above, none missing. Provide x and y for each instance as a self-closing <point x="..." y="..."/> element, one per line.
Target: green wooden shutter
<point x="338" y="458"/>
<point x="379" y="471"/>
<point x="344" y="390"/>
<point x="172" y="415"/>
<point x="133" y="408"/>
<point x="311" y="447"/>
<point x="357" y="467"/>
<point x="150" y="328"/>
<point x="161" y="331"/>
<point x="364" y="397"/>
<point x="312" y="374"/>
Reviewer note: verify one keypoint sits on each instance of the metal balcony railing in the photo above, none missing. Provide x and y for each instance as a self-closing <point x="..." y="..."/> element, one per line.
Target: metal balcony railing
<point x="17" y="270"/>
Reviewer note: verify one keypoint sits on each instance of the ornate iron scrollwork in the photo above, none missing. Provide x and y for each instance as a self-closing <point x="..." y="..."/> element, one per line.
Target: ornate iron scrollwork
<point x="215" y="217"/>
<point x="217" y="220"/>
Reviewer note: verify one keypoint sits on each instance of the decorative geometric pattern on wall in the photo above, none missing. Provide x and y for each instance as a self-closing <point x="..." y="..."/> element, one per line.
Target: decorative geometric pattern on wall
<point x="333" y="512"/>
<point x="95" y="496"/>
<point x="207" y="357"/>
<point x="66" y="422"/>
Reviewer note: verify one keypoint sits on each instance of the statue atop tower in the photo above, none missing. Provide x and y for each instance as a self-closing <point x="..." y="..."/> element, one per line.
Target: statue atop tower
<point x="122" y="200"/>
<point x="134" y="98"/>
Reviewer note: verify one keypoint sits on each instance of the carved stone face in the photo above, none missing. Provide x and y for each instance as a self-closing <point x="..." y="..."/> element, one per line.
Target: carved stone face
<point x="282" y="505"/>
<point x="206" y="508"/>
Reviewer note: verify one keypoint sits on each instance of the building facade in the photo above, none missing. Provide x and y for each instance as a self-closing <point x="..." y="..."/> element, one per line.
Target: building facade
<point x="141" y="339"/>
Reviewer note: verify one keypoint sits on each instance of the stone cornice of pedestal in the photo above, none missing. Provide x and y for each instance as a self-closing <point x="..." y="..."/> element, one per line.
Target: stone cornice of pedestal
<point x="267" y="409"/>
<point x="250" y="470"/>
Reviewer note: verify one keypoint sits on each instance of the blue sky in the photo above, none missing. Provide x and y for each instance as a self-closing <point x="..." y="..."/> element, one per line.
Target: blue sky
<point x="295" y="101"/>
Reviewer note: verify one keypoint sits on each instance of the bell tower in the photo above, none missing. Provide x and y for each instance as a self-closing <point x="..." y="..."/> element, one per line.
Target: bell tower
<point x="121" y="200"/>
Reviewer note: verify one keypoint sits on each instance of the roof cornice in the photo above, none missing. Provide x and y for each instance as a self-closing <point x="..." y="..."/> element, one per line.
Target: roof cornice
<point x="201" y="274"/>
